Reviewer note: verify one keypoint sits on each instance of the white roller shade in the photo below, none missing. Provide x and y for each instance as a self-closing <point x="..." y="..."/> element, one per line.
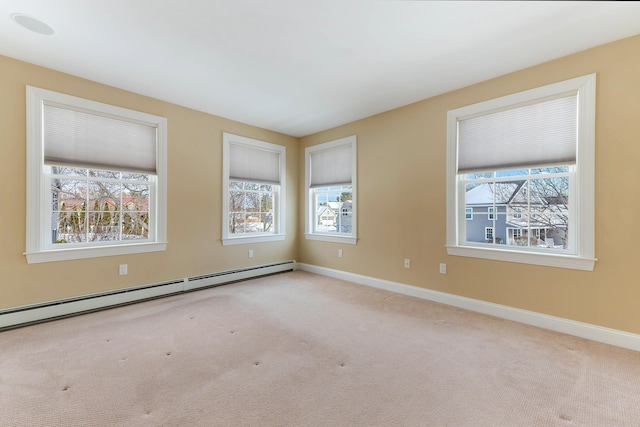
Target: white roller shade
<point x="331" y="167"/>
<point x="535" y="134"/>
<point x="84" y="139"/>
<point x="253" y="164"/>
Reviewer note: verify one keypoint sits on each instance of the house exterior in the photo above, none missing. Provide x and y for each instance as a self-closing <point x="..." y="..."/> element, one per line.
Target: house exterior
<point x="500" y="213"/>
<point x="336" y="214"/>
<point x="326" y="216"/>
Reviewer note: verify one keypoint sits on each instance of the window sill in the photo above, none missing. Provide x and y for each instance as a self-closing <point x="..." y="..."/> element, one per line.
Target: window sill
<point x="92" y="252"/>
<point x="349" y="240"/>
<point x="550" y="260"/>
<point x="228" y="241"/>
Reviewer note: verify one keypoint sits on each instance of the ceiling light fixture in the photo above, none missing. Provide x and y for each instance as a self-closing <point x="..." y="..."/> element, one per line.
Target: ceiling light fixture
<point x="33" y="24"/>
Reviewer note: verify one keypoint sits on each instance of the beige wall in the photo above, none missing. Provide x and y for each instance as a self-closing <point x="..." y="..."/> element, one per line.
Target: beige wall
<point x="194" y="197"/>
<point x="401" y="177"/>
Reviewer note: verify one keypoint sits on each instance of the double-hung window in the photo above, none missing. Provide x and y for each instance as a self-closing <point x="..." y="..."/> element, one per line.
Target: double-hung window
<point x="330" y="197"/>
<point x="96" y="179"/>
<point x="529" y="157"/>
<point x="253" y="190"/>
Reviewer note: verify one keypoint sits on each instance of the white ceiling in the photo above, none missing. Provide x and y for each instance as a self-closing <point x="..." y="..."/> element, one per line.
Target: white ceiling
<point x="299" y="66"/>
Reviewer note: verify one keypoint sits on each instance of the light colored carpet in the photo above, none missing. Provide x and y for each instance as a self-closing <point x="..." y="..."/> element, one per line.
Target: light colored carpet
<point x="298" y="349"/>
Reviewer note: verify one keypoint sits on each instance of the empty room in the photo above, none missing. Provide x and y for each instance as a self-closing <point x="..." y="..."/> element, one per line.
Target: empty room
<point x="330" y="213"/>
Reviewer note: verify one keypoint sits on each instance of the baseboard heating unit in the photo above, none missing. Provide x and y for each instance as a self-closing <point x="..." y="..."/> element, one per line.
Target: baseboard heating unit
<point x="25" y="315"/>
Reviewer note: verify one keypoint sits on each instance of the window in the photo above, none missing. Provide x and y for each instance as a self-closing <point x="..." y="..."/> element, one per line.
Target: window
<point x="330" y="200"/>
<point x="96" y="180"/>
<point x="253" y="190"/>
<point x="517" y="213"/>
<point x="530" y="157"/>
<point x="488" y="233"/>
<point x="468" y="213"/>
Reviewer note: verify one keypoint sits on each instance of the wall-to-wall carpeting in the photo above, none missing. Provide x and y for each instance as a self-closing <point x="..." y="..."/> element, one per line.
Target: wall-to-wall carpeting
<point x="298" y="349"/>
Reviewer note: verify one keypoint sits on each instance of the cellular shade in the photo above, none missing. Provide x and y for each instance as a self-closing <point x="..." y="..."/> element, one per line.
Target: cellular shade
<point x="535" y="134"/>
<point x="331" y="167"/>
<point x="86" y="139"/>
<point x="253" y="164"/>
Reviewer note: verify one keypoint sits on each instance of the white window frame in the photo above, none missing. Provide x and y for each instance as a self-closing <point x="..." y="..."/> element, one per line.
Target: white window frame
<point x="491" y="214"/>
<point x="486" y="233"/>
<point x="582" y="176"/>
<point x="279" y="203"/>
<point x="468" y="214"/>
<point x="39" y="194"/>
<point x="310" y="216"/>
<point x="517" y="212"/>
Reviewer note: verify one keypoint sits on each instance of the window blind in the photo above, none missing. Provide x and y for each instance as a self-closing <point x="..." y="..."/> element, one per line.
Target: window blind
<point x="253" y="164"/>
<point x="331" y="167"/>
<point x="85" y="139"/>
<point x="540" y="133"/>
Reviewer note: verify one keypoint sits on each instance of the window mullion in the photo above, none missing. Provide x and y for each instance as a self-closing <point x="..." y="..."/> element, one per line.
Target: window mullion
<point x="529" y="210"/>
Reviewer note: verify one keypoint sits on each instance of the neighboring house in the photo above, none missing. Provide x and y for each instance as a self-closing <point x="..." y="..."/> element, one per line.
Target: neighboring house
<point x="501" y="214"/>
<point x="326" y="216"/>
<point x="336" y="214"/>
<point x="486" y="219"/>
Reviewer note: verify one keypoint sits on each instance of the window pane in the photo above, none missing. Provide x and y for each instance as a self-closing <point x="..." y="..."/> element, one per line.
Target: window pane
<point x="479" y="175"/>
<point x="267" y="221"/>
<point x="68" y="171"/>
<point x="555" y="169"/>
<point x="512" y="172"/>
<point x="135" y="176"/>
<point x="550" y="197"/>
<point x="236" y="223"/>
<point x="97" y="173"/>
<point x="266" y="202"/>
<point x="69" y="209"/>
<point x="252" y="202"/>
<point x="135" y="225"/>
<point x="236" y="201"/>
<point x="135" y="197"/>
<point x="252" y="223"/>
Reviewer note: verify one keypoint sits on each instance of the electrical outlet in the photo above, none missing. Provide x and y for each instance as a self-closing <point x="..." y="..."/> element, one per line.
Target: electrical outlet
<point x="443" y="268"/>
<point x="250" y="253"/>
<point x="407" y="263"/>
<point x="123" y="269"/>
<point x="339" y="253"/>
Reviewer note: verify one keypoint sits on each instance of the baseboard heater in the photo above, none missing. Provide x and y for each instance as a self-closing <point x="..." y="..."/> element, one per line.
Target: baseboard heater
<point x="25" y="315"/>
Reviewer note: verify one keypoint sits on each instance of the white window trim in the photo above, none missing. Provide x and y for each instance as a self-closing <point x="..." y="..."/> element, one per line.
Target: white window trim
<point x="37" y="190"/>
<point x="308" y="211"/>
<point x="583" y="181"/>
<point x="486" y="233"/>
<point x="279" y="199"/>
<point x="467" y="212"/>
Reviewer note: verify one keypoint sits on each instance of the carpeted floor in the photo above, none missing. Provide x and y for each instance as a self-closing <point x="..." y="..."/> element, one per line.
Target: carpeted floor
<point x="298" y="349"/>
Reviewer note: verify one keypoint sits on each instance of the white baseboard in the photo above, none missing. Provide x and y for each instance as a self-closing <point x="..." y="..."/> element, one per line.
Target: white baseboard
<point x="571" y="327"/>
<point x="85" y="303"/>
